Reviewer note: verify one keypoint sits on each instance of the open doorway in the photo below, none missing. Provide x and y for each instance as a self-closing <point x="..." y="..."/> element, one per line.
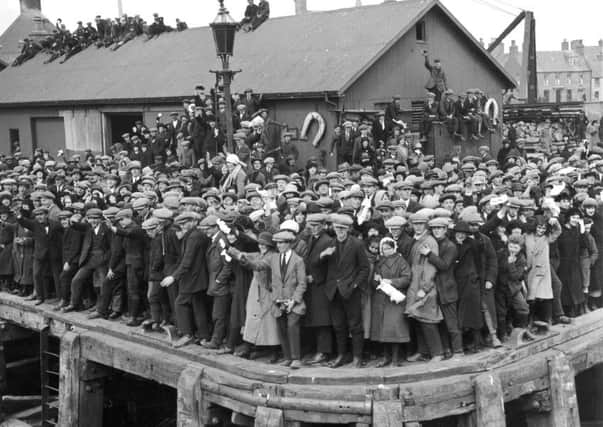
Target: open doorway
<point x="120" y="123"/>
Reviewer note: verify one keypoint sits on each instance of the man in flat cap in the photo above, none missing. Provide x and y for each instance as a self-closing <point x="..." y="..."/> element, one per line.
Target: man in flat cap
<point x="94" y="257"/>
<point x="317" y="303"/>
<point x="47" y="237"/>
<point x="347" y="274"/>
<point x="191" y="276"/>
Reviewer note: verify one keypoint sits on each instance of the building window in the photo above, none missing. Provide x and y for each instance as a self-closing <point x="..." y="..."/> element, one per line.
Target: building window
<point x="569" y="81"/>
<point x="547" y="96"/>
<point x="597" y="95"/>
<point x="420" y="30"/>
<point x="546" y="82"/>
<point x="15" y="140"/>
<point x="569" y="95"/>
<point x="597" y="82"/>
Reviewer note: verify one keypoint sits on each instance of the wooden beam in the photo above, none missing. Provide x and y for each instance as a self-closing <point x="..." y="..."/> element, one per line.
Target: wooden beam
<point x="11" y="332"/>
<point x="564" y="402"/>
<point x="507" y="31"/>
<point x="190" y="410"/>
<point x="489" y="403"/>
<point x="387" y="413"/>
<point x="269" y="417"/>
<point x="69" y="384"/>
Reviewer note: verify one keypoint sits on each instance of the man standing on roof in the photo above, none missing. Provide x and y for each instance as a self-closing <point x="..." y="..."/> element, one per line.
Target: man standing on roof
<point x="437" y="77"/>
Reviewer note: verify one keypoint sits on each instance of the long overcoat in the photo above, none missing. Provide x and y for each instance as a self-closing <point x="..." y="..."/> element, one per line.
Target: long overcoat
<point x="426" y="309"/>
<point x="570" y="244"/>
<point x="317" y="303"/>
<point x="23" y="256"/>
<point x="388" y="321"/>
<point x="467" y="279"/>
<point x="260" y="325"/>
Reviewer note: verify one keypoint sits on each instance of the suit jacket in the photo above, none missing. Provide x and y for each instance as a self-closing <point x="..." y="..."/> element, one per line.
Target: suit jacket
<point x="219" y="270"/>
<point x="287" y="284"/>
<point x="348" y="269"/>
<point x="105" y="235"/>
<point x="191" y="272"/>
<point x="445" y="263"/>
<point x="47" y="245"/>
<point x="381" y="132"/>
<point x="134" y="243"/>
<point x="72" y="245"/>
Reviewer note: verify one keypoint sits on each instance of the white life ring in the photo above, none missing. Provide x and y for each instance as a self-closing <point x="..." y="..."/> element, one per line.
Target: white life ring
<point x="492" y="105"/>
<point x="322" y="127"/>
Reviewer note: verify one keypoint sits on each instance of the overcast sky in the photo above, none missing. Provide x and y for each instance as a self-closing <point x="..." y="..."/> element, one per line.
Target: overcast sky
<point x="556" y="19"/>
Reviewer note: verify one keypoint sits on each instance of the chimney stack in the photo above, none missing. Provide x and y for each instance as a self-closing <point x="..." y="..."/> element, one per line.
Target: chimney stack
<point x="358" y="3"/>
<point x="301" y="7"/>
<point x="564" y="45"/>
<point x="514" y="49"/>
<point x="578" y="47"/>
<point x="27" y="5"/>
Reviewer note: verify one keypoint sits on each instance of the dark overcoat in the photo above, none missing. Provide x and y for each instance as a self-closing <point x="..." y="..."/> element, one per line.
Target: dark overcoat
<point x="317" y="303"/>
<point x="467" y="278"/>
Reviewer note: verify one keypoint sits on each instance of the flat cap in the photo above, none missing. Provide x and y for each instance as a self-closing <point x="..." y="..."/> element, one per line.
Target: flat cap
<point x="439" y="222"/>
<point x="110" y="212"/>
<point x="124" y="213"/>
<point x="185" y="217"/>
<point x="65" y="214"/>
<point x="283" y="236"/>
<point x="341" y="220"/>
<point x="163" y="213"/>
<point x="151" y="223"/>
<point x="94" y="213"/>
<point x="140" y="203"/>
<point x="395" y="221"/>
<point x="40" y="211"/>
<point x="209" y="221"/>
<point x="316" y="218"/>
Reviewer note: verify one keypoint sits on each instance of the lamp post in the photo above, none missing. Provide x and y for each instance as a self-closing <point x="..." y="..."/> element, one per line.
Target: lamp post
<point x="224" y="29"/>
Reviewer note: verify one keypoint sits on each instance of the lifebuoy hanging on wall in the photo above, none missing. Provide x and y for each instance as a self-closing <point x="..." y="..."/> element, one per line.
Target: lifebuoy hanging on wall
<point x="492" y="106"/>
<point x="322" y="127"/>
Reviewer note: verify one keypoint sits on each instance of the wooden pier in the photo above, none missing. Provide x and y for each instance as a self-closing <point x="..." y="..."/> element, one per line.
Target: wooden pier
<point x="540" y="376"/>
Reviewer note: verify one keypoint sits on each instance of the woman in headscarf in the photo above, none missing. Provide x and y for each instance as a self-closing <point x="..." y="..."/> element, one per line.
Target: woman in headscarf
<point x="389" y="324"/>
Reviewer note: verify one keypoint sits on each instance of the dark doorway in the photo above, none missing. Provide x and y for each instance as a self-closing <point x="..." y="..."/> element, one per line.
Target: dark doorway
<point x="120" y="123"/>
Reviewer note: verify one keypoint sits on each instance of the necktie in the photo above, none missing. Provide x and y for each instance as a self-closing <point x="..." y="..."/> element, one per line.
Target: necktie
<point x="283" y="264"/>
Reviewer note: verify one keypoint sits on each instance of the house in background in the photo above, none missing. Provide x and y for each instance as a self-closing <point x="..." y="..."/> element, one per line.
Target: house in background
<point x="329" y="62"/>
<point x="30" y="22"/>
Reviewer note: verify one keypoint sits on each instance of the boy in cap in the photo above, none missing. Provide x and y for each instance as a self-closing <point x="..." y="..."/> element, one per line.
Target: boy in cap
<point x="72" y="243"/>
<point x="134" y="242"/>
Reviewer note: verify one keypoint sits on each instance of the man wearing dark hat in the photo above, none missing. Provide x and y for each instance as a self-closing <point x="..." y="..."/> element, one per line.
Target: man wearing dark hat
<point x="47" y="237"/>
<point x="437" y="77"/>
<point x="347" y="274"/>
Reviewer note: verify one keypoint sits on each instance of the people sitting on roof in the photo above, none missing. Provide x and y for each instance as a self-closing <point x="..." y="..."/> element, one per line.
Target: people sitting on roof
<point x="262" y="15"/>
<point x="29" y="49"/>
<point x="108" y="33"/>
<point x="251" y="12"/>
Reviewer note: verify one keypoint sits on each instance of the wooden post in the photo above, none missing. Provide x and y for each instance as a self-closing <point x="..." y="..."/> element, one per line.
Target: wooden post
<point x="564" y="402"/>
<point x="92" y="393"/>
<point x="387" y="413"/>
<point x="69" y="384"/>
<point x="489" y="403"/>
<point x="190" y="405"/>
<point x="269" y="417"/>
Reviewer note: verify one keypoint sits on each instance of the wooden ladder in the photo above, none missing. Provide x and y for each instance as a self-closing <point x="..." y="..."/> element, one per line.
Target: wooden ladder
<point x="49" y="379"/>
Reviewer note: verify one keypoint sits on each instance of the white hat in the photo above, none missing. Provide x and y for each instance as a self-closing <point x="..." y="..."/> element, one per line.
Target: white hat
<point x="290" y="225"/>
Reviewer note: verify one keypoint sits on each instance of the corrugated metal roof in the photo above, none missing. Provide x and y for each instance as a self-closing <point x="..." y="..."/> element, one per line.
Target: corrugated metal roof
<point x="18" y="30"/>
<point x="311" y="53"/>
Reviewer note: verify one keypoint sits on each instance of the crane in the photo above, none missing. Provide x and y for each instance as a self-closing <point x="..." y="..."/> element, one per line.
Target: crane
<point x="529" y="70"/>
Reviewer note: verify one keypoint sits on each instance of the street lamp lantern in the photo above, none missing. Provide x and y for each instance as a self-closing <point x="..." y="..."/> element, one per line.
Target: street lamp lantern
<point x="224" y="29"/>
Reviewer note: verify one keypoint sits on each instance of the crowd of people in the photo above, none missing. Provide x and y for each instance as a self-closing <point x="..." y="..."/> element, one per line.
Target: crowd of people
<point x="247" y="254"/>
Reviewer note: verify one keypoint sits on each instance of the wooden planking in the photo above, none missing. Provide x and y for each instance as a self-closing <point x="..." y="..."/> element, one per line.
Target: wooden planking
<point x="564" y="401"/>
<point x="489" y="405"/>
